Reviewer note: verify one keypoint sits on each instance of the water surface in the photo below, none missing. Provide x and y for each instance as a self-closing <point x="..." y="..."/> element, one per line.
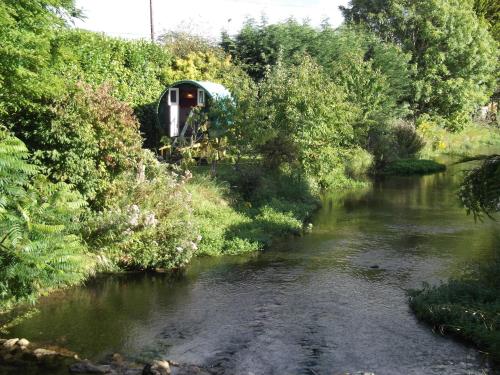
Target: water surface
<point x="309" y="305"/>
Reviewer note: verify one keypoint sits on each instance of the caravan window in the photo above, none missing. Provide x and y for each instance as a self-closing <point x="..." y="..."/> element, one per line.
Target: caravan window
<point x="201" y="97"/>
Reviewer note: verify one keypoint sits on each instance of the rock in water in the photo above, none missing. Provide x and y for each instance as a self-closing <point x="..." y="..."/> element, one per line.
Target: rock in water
<point x="87" y="367"/>
<point x="10" y="344"/>
<point x="43" y="353"/>
<point x="157" y="368"/>
<point x="23" y="343"/>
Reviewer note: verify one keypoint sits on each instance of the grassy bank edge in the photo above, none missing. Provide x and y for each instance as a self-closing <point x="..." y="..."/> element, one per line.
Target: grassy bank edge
<point x="464" y="309"/>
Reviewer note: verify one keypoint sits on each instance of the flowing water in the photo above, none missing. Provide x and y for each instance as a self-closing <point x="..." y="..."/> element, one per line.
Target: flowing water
<point x="310" y="305"/>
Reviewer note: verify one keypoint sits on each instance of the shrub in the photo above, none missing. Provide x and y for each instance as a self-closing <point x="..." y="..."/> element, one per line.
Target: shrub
<point x="391" y="142"/>
<point x="407" y="142"/>
<point x="358" y="163"/>
<point x="39" y="249"/>
<point x="250" y="215"/>
<point x="303" y="121"/>
<point x="215" y="216"/>
<point x="413" y="166"/>
<point x="92" y="139"/>
<point x="148" y="221"/>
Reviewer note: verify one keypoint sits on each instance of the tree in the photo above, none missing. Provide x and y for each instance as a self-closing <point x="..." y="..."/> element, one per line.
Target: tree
<point x="303" y="121"/>
<point x="489" y="10"/>
<point x="480" y="190"/>
<point x="26" y="38"/>
<point x="257" y="47"/>
<point x="453" y="52"/>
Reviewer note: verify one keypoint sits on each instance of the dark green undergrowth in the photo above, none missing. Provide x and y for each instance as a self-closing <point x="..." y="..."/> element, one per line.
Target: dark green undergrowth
<point x="467" y="308"/>
<point x="406" y="167"/>
<point x="244" y="209"/>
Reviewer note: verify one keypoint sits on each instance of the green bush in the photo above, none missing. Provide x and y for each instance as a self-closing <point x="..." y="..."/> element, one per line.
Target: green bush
<point x="467" y="308"/>
<point x="302" y="120"/>
<point x="413" y="166"/>
<point x="39" y="248"/>
<point x="148" y="222"/>
<point x="215" y="216"/>
<point x="358" y="163"/>
<point x="407" y="142"/>
<point x="248" y="216"/>
<point x="480" y="190"/>
<point x="92" y="138"/>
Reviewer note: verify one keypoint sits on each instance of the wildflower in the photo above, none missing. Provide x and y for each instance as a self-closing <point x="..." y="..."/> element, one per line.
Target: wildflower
<point x="150" y="220"/>
<point x="179" y="249"/>
<point x="134" y="211"/>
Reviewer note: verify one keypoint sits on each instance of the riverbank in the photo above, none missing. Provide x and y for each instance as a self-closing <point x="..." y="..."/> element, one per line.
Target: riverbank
<point x="467" y="308"/>
<point x="312" y="302"/>
<point x="244" y="208"/>
<point x="241" y="210"/>
<point x="21" y="355"/>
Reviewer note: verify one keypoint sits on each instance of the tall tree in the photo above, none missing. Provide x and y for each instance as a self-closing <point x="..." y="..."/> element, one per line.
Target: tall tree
<point x="489" y="10"/>
<point x="27" y="28"/>
<point x="450" y="45"/>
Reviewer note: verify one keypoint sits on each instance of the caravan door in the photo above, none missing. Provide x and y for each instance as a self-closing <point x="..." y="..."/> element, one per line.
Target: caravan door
<point x="173" y="102"/>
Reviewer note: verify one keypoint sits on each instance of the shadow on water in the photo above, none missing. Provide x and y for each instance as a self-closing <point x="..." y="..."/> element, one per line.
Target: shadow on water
<point x="330" y="302"/>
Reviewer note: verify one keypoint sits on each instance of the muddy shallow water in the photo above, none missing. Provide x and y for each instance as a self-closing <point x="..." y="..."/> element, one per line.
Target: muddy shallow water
<point x="310" y="305"/>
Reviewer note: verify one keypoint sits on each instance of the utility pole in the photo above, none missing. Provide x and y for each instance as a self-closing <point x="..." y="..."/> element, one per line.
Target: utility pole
<point x="151" y="20"/>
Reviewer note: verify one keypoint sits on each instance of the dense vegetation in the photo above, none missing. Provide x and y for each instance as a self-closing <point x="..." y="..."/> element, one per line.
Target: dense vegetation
<point x="313" y="109"/>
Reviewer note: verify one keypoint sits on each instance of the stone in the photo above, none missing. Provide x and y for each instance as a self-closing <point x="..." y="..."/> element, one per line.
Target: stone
<point x="10" y="344"/>
<point x="23" y="343"/>
<point x="118" y="359"/>
<point x="375" y="266"/>
<point x="41" y="353"/>
<point x="157" y="367"/>
<point x="87" y="367"/>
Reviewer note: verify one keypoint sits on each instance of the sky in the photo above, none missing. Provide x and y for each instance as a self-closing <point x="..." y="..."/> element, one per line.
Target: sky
<point x="130" y="18"/>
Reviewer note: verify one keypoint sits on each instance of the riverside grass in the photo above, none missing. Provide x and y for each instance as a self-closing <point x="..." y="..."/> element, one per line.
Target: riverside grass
<point x="467" y="308"/>
<point x="406" y="167"/>
<point x="234" y="219"/>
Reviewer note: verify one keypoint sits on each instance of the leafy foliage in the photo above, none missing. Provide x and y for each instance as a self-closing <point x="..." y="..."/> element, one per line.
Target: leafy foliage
<point x="467" y="307"/>
<point x="451" y="48"/>
<point x="302" y="120"/>
<point x="480" y="191"/>
<point x="258" y="208"/>
<point x="92" y="139"/>
<point x="148" y="223"/>
<point x="39" y="249"/>
<point x="28" y="28"/>
<point x="413" y="166"/>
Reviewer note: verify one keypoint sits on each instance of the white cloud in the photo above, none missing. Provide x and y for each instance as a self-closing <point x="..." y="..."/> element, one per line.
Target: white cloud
<point x="130" y="18"/>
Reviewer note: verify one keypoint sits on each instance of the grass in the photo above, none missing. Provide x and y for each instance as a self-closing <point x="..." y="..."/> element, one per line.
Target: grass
<point x="243" y="211"/>
<point x="468" y="308"/>
<point x="404" y="167"/>
<point x="473" y="140"/>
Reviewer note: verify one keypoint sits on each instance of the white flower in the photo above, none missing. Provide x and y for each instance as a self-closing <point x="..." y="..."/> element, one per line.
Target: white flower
<point x="199" y="238"/>
<point x="179" y="249"/>
<point x="150" y="220"/>
<point x="193" y="245"/>
<point x="134" y="211"/>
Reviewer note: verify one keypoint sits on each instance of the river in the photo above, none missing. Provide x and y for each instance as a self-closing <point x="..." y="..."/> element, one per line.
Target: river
<point x="330" y="302"/>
